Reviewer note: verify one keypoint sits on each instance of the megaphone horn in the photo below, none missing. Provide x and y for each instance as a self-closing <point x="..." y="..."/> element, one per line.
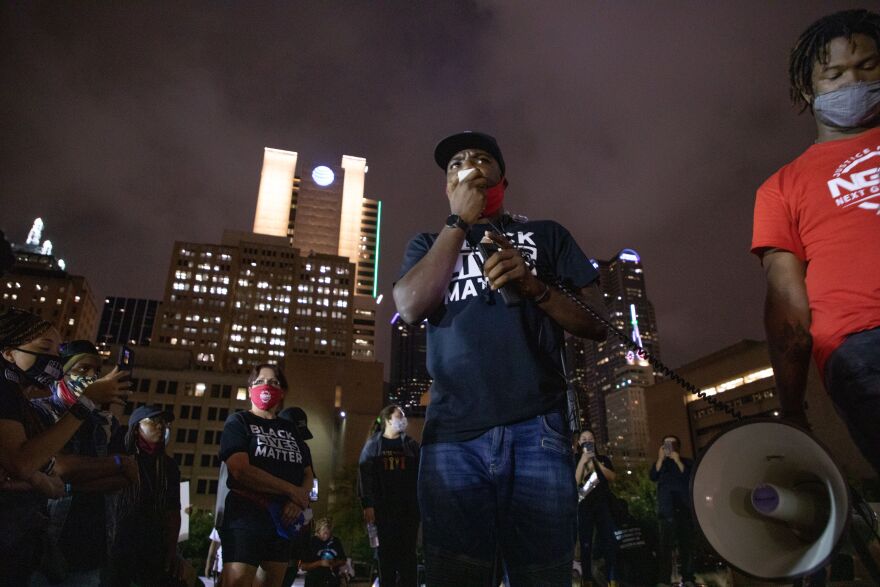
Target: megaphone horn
<point x="770" y="500"/>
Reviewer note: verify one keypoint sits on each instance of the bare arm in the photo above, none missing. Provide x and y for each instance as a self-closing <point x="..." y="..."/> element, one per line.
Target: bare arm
<point x="507" y="266"/>
<point x="23" y="456"/>
<point x="787" y="323"/>
<point x="609" y="474"/>
<point x="256" y="479"/>
<point x="80" y="470"/>
<point x="421" y="291"/>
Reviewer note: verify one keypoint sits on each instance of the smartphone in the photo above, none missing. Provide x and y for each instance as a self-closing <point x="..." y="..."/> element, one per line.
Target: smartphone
<point x="667" y="447"/>
<point x="590" y="447"/>
<point x="313" y="494"/>
<point x="125" y="361"/>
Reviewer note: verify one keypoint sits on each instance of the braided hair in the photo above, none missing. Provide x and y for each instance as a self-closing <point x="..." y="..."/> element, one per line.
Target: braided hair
<point x="18" y="327"/>
<point x="131" y="496"/>
<point x="812" y="47"/>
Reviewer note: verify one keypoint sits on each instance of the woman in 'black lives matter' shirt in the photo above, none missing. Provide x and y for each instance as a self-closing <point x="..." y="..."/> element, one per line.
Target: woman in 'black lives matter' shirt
<point x="28" y="475"/>
<point x="387" y="477"/>
<point x="270" y="476"/>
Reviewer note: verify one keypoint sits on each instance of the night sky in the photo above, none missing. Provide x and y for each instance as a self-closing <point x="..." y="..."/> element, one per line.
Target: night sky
<point x="646" y="125"/>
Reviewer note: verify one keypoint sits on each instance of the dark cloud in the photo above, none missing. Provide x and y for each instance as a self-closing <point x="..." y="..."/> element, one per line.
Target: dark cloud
<point x="641" y="124"/>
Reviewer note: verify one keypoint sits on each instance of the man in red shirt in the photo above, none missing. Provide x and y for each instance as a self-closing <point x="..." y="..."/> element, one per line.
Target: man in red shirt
<point x="817" y="230"/>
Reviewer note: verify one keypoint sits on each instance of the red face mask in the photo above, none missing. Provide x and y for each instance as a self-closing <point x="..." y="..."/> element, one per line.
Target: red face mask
<point x="266" y="397"/>
<point x="494" y="198"/>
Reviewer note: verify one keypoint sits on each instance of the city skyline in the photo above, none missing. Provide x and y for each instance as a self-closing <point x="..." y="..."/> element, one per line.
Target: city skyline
<point x="128" y="143"/>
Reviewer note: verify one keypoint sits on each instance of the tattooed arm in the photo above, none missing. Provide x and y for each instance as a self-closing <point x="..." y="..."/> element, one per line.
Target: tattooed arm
<point x="787" y="323"/>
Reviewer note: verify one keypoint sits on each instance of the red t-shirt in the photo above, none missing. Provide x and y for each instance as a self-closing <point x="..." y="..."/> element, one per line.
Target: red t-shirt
<point x="825" y="208"/>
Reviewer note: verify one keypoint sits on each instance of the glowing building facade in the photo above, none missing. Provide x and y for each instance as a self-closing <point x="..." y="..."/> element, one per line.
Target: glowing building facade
<point x="327" y="213"/>
<point x="39" y="282"/>
<point x="254" y="299"/>
<point x="595" y="366"/>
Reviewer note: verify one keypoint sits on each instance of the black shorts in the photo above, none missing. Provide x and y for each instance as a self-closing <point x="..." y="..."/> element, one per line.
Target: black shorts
<point x="253" y="547"/>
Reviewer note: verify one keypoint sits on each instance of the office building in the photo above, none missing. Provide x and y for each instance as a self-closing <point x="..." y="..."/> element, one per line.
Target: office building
<point x="324" y="211"/>
<point x="627" y="418"/>
<point x="127" y="321"/>
<point x="253" y="299"/>
<point x="409" y="371"/>
<point x="595" y="364"/>
<point x="38" y="282"/>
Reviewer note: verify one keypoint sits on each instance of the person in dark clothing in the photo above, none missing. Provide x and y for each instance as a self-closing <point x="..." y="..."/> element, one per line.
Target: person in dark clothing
<point x="672" y="474"/>
<point x="324" y="557"/>
<point x="387" y="484"/>
<point x="148" y="514"/>
<point x="269" y="478"/>
<point x="81" y="525"/>
<point x="496" y="469"/>
<point x="29" y="364"/>
<point x="594" y="473"/>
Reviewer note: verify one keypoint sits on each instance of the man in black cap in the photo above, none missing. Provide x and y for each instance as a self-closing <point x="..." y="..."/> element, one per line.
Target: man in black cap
<point x="496" y="464"/>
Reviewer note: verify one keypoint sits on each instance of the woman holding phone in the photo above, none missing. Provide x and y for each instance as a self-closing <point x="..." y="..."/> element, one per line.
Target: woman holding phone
<point x="270" y="475"/>
<point x="594" y="473"/>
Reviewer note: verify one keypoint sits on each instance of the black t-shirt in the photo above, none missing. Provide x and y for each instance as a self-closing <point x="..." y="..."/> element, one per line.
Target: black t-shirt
<point x="600" y="493"/>
<point x="14" y="406"/>
<point x="273" y="445"/>
<point x="318" y="549"/>
<point x="397" y="476"/>
<point x="141" y="525"/>
<point x="494" y="365"/>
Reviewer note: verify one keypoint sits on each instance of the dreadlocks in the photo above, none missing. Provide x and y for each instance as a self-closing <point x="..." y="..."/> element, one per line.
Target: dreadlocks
<point x="812" y="47"/>
<point x="130" y="498"/>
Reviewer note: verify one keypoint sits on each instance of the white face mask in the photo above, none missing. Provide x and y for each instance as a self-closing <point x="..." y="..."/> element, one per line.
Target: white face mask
<point x="399" y="425"/>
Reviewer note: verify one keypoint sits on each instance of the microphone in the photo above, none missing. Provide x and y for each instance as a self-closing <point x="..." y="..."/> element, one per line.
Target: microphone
<point x="487" y="248"/>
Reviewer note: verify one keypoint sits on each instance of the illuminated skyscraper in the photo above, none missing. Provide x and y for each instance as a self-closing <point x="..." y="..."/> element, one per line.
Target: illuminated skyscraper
<point x="254" y="299"/>
<point x="409" y="370"/>
<point x="38" y="282"/>
<point x="595" y="366"/>
<point x="327" y="213"/>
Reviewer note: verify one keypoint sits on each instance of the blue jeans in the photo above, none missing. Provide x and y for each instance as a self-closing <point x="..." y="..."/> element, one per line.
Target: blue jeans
<point x="511" y="491"/>
<point x="852" y="377"/>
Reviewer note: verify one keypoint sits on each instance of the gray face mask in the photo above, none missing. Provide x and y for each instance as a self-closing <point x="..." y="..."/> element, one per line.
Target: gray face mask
<point x="854" y="106"/>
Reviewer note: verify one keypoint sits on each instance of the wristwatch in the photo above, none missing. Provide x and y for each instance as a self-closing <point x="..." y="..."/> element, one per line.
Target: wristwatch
<point x="455" y="221"/>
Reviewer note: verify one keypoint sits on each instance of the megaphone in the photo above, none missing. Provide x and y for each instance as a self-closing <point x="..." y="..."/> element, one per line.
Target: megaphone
<point x="770" y="500"/>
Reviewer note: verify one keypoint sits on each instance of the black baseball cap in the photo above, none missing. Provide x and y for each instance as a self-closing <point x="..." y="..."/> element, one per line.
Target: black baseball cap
<point x="149" y="411"/>
<point x="469" y="139"/>
<point x="299" y="419"/>
<point x="77" y="347"/>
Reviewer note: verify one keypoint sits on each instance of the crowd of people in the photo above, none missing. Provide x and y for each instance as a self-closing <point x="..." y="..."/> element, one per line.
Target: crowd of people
<point x="496" y="486"/>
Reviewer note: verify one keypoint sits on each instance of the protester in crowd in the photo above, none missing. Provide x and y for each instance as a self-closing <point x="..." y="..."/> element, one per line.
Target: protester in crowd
<point x="594" y="474"/>
<point x="816" y="227"/>
<point x="672" y="474"/>
<point x="324" y="558"/>
<point x="30" y="365"/>
<point x="81" y="524"/>
<point x="144" y="550"/>
<point x="496" y="423"/>
<point x="387" y="484"/>
<point x="270" y="475"/>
